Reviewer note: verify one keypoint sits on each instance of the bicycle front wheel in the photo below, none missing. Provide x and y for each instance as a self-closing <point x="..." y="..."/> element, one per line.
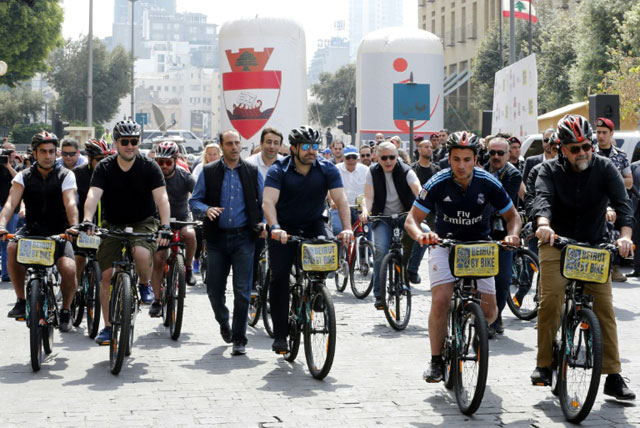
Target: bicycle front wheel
<point x="320" y="333"/>
<point x="361" y="270"/>
<point x="77" y="305"/>
<point x="581" y="365"/>
<point x="341" y="275"/>
<point x="50" y="319"/>
<point x="449" y="351"/>
<point x="35" y="315"/>
<point x="92" y="300"/>
<point x="120" y="321"/>
<point x="176" y="289"/>
<point x="266" y="306"/>
<point x="523" y="297"/>
<point x="472" y="355"/>
<point x="395" y="294"/>
<point x="294" y="328"/>
<point x="255" y="304"/>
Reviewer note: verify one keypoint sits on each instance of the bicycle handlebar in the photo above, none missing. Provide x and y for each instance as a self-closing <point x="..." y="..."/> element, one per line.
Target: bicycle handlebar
<point x="446" y="242"/>
<point x="562" y="241"/>
<point x="177" y="224"/>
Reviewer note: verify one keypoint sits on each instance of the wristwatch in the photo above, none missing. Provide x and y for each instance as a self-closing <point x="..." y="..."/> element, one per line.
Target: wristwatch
<point x="275" y="226"/>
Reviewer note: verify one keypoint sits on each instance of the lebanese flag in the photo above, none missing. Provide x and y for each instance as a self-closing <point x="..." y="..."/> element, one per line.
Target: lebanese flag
<point x="520" y="8"/>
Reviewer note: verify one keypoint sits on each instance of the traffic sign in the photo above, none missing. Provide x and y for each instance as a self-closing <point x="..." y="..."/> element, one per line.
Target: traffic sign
<point x="411" y="101"/>
<point x="142" y="118"/>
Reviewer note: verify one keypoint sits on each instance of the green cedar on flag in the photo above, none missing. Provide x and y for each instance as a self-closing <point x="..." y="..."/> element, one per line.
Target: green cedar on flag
<point x="520" y="8"/>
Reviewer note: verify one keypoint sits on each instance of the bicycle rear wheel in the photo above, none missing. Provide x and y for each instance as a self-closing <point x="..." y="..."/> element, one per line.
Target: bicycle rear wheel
<point x="396" y="295"/>
<point x="35" y="313"/>
<point x="92" y="300"/>
<point x="294" y="328"/>
<point x="361" y="270"/>
<point x="176" y="289"/>
<point x="255" y="304"/>
<point x="341" y="276"/>
<point x="320" y="333"/>
<point x="472" y="353"/>
<point x="449" y="351"/>
<point x="581" y="365"/>
<point x="266" y="306"/>
<point x="523" y="292"/>
<point x="77" y="305"/>
<point x="120" y="317"/>
<point x="50" y="318"/>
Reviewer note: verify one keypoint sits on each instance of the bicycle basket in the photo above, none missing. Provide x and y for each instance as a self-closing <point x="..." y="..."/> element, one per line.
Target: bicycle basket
<point x="319" y="257"/>
<point x="36" y="251"/>
<point x="86" y="241"/>
<point x="585" y="264"/>
<point x="475" y="260"/>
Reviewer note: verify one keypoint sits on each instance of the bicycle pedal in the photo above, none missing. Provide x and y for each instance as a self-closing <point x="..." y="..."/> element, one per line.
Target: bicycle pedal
<point x="21" y="319"/>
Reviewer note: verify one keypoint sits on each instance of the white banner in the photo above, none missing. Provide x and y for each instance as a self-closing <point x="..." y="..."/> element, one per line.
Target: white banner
<point x="515" y="99"/>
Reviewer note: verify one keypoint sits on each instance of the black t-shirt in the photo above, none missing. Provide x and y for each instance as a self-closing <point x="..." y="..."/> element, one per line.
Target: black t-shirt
<point x="5" y="184"/>
<point x="178" y="189"/>
<point x="127" y="196"/>
<point x="424" y="174"/>
<point x="83" y="179"/>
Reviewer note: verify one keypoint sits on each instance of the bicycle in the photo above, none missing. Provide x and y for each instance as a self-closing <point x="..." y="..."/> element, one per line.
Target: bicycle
<point x="124" y="301"/>
<point x="356" y="262"/>
<point x="466" y="346"/>
<point x="37" y="255"/>
<point x="259" y="303"/>
<point x="524" y="298"/>
<point x="310" y="305"/>
<point x="203" y="257"/>
<point x="577" y="349"/>
<point x="88" y="292"/>
<point x="395" y="290"/>
<point x="174" y="290"/>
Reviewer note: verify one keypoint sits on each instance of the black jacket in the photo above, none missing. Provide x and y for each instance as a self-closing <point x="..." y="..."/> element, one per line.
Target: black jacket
<point x="529" y="163"/>
<point x="399" y="175"/>
<point x="576" y="203"/>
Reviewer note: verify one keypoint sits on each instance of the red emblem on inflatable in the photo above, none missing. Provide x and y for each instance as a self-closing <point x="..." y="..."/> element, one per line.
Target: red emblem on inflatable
<point x="251" y="93"/>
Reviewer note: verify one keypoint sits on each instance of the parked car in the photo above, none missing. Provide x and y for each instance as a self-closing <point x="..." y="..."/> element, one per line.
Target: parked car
<point x="191" y="143"/>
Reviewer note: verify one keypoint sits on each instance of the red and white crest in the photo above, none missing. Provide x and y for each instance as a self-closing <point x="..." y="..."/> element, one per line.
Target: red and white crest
<point x="250" y="92"/>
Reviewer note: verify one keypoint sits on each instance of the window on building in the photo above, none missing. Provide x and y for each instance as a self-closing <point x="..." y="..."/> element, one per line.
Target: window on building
<point x="473" y="34"/>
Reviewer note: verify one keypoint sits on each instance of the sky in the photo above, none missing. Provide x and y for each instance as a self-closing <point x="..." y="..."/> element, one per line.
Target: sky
<point x="316" y="17"/>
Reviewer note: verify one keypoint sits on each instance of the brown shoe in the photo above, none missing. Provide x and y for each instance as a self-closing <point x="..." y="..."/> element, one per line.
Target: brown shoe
<point x="616" y="275"/>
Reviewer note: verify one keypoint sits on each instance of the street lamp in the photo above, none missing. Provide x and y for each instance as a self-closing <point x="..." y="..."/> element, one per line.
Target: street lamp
<point x="133" y="2"/>
<point x="90" y="71"/>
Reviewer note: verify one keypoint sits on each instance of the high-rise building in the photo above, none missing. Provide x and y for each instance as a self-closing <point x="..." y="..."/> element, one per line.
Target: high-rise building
<point x="369" y="15"/>
<point x="331" y="54"/>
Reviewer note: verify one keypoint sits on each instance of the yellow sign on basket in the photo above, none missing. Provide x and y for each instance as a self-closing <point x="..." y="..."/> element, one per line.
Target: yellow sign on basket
<point x="586" y="264"/>
<point x="475" y="260"/>
<point x="36" y="251"/>
<point x="86" y="241"/>
<point x="320" y="257"/>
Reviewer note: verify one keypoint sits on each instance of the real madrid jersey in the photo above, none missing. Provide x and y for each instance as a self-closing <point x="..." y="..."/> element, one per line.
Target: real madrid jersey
<point x="463" y="214"/>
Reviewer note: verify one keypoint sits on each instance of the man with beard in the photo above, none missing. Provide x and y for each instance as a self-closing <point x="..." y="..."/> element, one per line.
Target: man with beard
<point x="572" y="194"/>
<point x="365" y="155"/>
<point x="180" y="184"/>
<point x="270" y="143"/>
<point x="133" y="192"/>
<point x="294" y="201"/>
<point x="549" y="151"/>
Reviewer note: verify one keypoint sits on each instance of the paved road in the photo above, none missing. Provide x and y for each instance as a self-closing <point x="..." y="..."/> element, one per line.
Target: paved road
<point x="376" y="378"/>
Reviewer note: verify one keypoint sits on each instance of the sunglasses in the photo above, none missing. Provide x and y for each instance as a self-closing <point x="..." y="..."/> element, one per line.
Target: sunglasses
<point x="126" y="141"/>
<point x="390" y="157"/>
<point x="365" y="155"/>
<point x="69" y="154"/>
<point x="307" y="146"/>
<point x="496" y="152"/>
<point x="351" y="157"/>
<point x="586" y="147"/>
<point x="555" y="147"/>
<point x="165" y="162"/>
<point x="546" y="140"/>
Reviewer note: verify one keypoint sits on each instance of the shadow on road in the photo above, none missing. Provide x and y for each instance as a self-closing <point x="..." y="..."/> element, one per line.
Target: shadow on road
<point x="219" y="361"/>
<point x="22" y="373"/>
<point x="99" y="378"/>
<point x="293" y="380"/>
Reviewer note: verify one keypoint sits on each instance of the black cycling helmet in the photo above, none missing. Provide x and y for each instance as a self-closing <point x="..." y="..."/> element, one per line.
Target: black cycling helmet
<point x="95" y="148"/>
<point x="573" y="128"/>
<point x="43" y="137"/>
<point x="304" y="134"/>
<point x="167" y="149"/>
<point x="126" y="128"/>
<point x="463" y="140"/>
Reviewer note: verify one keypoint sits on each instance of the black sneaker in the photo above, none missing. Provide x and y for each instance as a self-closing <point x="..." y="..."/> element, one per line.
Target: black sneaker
<point x="280" y="346"/>
<point x="541" y="376"/>
<point x="499" y="325"/>
<point x="19" y="309"/>
<point x="615" y="386"/>
<point x="239" y="348"/>
<point x="492" y="331"/>
<point x="225" y="332"/>
<point x="634" y="274"/>
<point x="378" y="304"/>
<point x="191" y="281"/>
<point x="65" y="320"/>
<point x="156" y="309"/>
<point x="433" y="374"/>
<point x="414" y="278"/>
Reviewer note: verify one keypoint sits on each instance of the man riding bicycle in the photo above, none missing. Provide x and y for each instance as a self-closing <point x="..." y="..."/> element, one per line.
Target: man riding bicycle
<point x="180" y="184"/>
<point x="572" y="194"/>
<point x="294" y="194"/>
<point x="49" y="194"/>
<point x="130" y="186"/>
<point x="463" y="198"/>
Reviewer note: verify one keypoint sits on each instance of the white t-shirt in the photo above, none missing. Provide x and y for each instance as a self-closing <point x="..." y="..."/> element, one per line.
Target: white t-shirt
<point x="257" y="160"/>
<point x="196" y="171"/>
<point x="353" y="182"/>
<point x="69" y="181"/>
<point x="393" y="204"/>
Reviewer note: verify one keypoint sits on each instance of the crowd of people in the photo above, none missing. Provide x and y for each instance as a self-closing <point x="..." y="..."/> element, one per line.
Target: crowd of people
<point x="459" y="186"/>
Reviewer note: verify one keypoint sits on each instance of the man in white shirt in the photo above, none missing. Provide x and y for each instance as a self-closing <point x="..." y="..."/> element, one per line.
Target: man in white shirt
<point x="270" y="143"/>
<point x="354" y="175"/>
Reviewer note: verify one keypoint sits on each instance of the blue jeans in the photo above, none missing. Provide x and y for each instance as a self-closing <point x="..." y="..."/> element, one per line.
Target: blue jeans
<point x="417" y="253"/>
<point x="225" y="251"/>
<point x="382" y="240"/>
<point x="336" y="223"/>
<point x="503" y="278"/>
<point x="12" y="225"/>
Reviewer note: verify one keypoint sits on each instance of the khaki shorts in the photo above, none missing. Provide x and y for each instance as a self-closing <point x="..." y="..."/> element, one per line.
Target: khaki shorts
<point x="110" y="249"/>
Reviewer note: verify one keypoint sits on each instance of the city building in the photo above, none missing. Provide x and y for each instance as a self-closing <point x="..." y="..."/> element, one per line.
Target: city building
<point x="331" y="54"/>
<point x="369" y="15"/>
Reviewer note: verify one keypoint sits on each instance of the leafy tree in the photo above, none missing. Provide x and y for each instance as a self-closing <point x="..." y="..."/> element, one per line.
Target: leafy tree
<point x="68" y="75"/>
<point x="485" y="65"/>
<point x="27" y="36"/>
<point x="22" y="133"/>
<point x="630" y="32"/>
<point x="458" y="119"/>
<point x="19" y="105"/>
<point x="334" y="94"/>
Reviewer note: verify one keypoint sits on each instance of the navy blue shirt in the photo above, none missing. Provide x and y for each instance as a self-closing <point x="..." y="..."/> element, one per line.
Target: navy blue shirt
<point x="302" y="197"/>
<point x="465" y="214"/>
